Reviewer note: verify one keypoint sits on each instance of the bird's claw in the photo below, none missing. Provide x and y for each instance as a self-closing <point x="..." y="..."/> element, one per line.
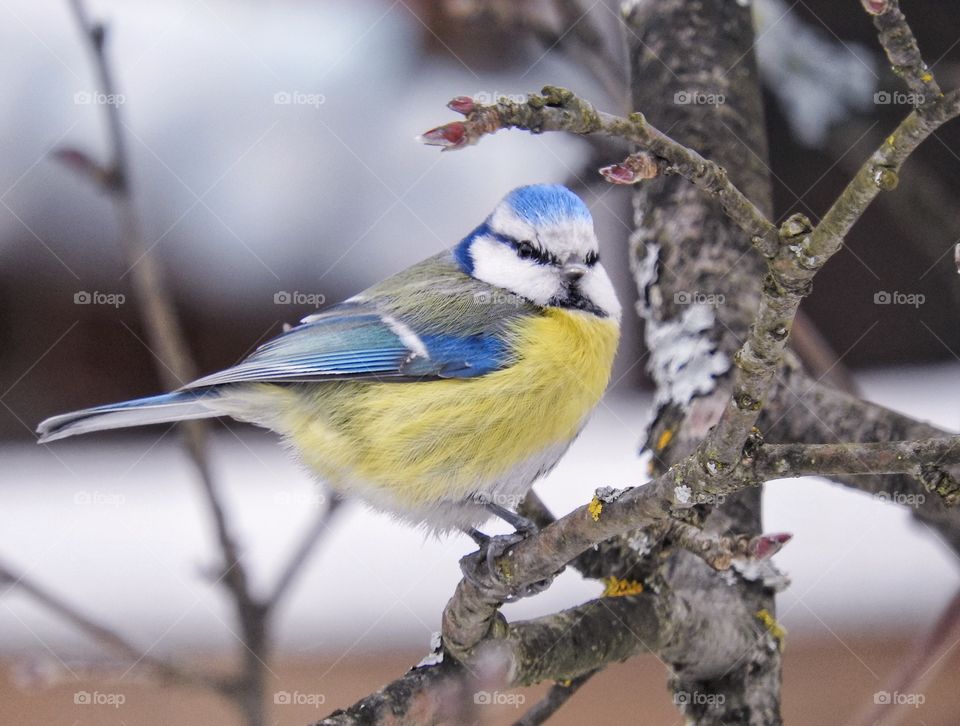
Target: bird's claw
<point x="480" y="568"/>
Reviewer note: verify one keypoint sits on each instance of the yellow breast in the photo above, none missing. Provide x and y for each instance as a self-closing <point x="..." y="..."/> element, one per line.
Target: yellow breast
<point x="431" y="441"/>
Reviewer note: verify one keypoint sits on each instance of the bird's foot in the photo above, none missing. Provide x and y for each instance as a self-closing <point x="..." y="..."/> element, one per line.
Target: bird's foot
<point x="482" y="569"/>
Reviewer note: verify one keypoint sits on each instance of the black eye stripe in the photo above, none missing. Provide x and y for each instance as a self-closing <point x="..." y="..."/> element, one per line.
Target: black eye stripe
<point x="527" y="250"/>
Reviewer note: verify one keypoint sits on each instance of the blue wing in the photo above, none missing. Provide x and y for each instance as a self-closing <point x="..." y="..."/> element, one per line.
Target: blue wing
<point x="354" y="341"/>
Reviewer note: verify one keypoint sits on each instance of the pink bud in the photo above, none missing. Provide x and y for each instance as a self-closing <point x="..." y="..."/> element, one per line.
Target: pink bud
<point x="767" y="545"/>
<point x="636" y="167"/>
<point x="618" y="174"/>
<point x="77" y="160"/>
<point x="462" y="104"/>
<point x="876" y="7"/>
<point x="448" y="136"/>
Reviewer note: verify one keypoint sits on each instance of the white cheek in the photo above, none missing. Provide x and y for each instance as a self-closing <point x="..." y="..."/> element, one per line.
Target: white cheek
<point x="597" y="288"/>
<point x="497" y="264"/>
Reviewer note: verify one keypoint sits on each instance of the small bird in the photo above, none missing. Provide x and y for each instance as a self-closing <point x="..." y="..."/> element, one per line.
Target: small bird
<point x="441" y="394"/>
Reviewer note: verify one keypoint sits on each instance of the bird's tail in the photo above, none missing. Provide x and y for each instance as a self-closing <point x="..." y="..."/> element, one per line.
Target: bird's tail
<point x="177" y="406"/>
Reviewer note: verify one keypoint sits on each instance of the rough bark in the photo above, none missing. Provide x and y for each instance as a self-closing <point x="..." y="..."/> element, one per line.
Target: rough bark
<point x="703" y="48"/>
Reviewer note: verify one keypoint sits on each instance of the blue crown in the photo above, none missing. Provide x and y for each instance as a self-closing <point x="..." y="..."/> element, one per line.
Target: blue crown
<point x="547" y="204"/>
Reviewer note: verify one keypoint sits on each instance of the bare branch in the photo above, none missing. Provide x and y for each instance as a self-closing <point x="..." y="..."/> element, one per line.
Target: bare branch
<point x="803" y="410"/>
<point x="472" y="613"/>
<point x="925" y="459"/>
<point x="818" y="357"/>
<point x="175" y="366"/>
<point x="902" y="51"/>
<point x="719" y="551"/>
<point x="922" y="664"/>
<point x="301" y="554"/>
<point x="610" y="558"/>
<point x="173" y="361"/>
<point x="557" y="109"/>
<point x="558" y="695"/>
<point x="579" y="641"/>
<point x="803" y="253"/>
<point x="106" y="636"/>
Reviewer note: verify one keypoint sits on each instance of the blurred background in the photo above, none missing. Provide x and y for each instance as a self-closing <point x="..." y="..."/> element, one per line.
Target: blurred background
<point x="275" y="170"/>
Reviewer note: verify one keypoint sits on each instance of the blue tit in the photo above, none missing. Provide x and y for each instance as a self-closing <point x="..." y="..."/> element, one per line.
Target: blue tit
<point x="441" y="394"/>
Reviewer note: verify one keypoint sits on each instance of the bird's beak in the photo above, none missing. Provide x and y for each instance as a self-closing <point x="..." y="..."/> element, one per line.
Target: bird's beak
<point x="573" y="271"/>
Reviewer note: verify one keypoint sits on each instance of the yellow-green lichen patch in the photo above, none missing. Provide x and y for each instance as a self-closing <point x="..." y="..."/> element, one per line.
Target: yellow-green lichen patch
<point x="613" y="586"/>
<point x="595" y="507"/>
<point x="775" y="629"/>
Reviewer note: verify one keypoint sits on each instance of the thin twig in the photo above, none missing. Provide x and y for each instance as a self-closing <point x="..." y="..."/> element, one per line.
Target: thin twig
<point x="558" y="695"/>
<point x="557" y="109"/>
<point x="301" y="554"/>
<point x="818" y="356"/>
<point x="590" y="48"/>
<point x="900" y="45"/>
<point x="174" y="364"/>
<point x="106" y="636"/>
<point x="804" y="251"/>
<point x="173" y="361"/>
<point x="919" y="458"/>
<point x="926" y="659"/>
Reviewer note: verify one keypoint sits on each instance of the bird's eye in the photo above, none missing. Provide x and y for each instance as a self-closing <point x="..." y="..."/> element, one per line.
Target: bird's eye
<point x="591" y="259"/>
<point x="526" y="250"/>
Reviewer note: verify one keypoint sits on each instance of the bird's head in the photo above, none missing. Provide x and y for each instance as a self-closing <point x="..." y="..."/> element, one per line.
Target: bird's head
<point x="539" y="244"/>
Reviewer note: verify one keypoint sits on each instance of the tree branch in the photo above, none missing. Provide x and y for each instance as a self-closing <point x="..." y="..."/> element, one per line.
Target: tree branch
<point x="167" y="672"/>
<point x="557" y="109"/>
<point x="804" y="410"/>
<point x="578" y="641"/>
<point x="900" y="45"/>
<point x="558" y="695"/>
<point x="803" y="253"/>
<point x="925" y="660"/>
<point x="174" y="366"/>
<point x="309" y="542"/>
<point x="925" y="459"/>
